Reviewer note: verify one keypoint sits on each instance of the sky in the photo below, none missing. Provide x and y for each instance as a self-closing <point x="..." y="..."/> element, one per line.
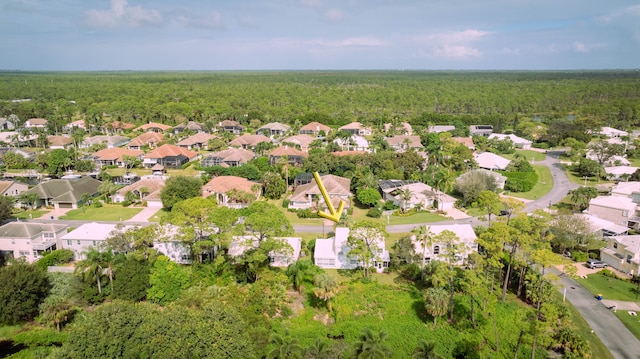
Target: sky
<point x="86" y="35"/>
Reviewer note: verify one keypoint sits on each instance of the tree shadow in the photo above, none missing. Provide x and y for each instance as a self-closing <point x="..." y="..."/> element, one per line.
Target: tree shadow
<point x="421" y="312"/>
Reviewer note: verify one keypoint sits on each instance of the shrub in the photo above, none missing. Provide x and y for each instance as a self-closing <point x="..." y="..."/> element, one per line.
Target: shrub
<point x="520" y="181"/>
<point x="374" y="212"/>
<point x="97" y="204"/>
<point x="543" y="145"/>
<point x="186" y="165"/>
<point x="55" y="257"/>
<point x="579" y="256"/>
<point x="389" y="205"/>
<point x="285" y="203"/>
<point x="307" y="213"/>
<point x="126" y="203"/>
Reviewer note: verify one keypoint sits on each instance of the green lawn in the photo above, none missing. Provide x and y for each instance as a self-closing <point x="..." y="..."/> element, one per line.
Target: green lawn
<point x="106" y="213"/>
<point x="590" y="181"/>
<point x="632" y="323"/>
<point x="544" y="185"/>
<point x="159" y="216"/>
<point x="610" y="288"/>
<point x="528" y="154"/>
<point x="36" y="213"/>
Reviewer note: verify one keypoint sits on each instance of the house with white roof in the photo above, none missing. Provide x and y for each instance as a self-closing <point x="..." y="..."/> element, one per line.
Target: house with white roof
<point x="614" y="160"/>
<point x="518" y="142"/>
<point x="603" y="227"/>
<point x="334" y="252"/>
<point x="356" y="128"/>
<point x="354" y="143"/>
<point x="440" y="128"/>
<point x="618" y="210"/>
<point x="491" y="161"/>
<point x="421" y="194"/>
<point x="613" y="132"/>
<point x="619" y="173"/>
<point x="628" y="190"/>
<point x="88" y="235"/>
<point x="436" y="250"/>
<point x="289" y="254"/>
<point x="622" y="253"/>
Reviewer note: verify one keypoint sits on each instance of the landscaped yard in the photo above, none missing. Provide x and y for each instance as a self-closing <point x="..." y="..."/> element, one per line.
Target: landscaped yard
<point x="36" y="213"/>
<point x="106" y="213"/>
<point x="630" y="321"/>
<point x="590" y="181"/>
<point x="610" y="288"/>
<point x="544" y="185"/>
<point x="528" y="154"/>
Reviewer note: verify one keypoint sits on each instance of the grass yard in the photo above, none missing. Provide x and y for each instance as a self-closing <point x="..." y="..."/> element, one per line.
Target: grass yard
<point x="528" y="154"/>
<point x="109" y="212"/>
<point x="544" y="185"/>
<point x="360" y="214"/>
<point x="610" y="288"/>
<point x="36" y="213"/>
<point x="159" y="216"/>
<point x="590" y="181"/>
<point x="632" y="323"/>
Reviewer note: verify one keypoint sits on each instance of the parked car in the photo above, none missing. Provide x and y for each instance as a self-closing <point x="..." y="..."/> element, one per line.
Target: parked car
<point x="594" y="263"/>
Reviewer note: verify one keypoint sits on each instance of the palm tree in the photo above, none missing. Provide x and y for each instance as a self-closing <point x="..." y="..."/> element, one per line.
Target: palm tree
<point x="298" y="272"/>
<point x="436" y="302"/>
<point x="92" y="268"/>
<point x="318" y="350"/>
<point x="425" y="350"/>
<point x="425" y="238"/>
<point x="326" y="288"/>
<point x="405" y="197"/>
<point x="86" y="200"/>
<point x="370" y="345"/>
<point x="284" y="347"/>
<point x="142" y="191"/>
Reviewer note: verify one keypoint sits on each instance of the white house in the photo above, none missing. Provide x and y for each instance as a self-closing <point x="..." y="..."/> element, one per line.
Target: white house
<point x="354" y="143"/>
<point x="491" y="161"/>
<point x="622" y="253"/>
<point x="288" y="255"/>
<point x="627" y="189"/>
<point x="334" y="252"/>
<point x="467" y="241"/>
<point x="440" y="128"/>
<point x="421" y="194"/>
<point x="29" y="240"/>
<point x="619" y="210"/>
<point x="338" y="189"/>
<point x="518" y="142"/>
<point x="619" y="173"/>
<point x="603" y="227"/>
<point x="612" y="132"/>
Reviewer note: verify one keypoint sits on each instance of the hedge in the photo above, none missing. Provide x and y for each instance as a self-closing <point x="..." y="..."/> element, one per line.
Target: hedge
<point x="520" y="181"/>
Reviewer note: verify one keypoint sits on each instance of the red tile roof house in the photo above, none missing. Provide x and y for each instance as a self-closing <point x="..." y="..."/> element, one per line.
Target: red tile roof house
<point x="151" y="193"/>
<point x="314" y="128"/>
<point x="115" y="156"/>
<point x="226" y="188"/>
<point x="249" y="141"/>
<point x="150" y="139"/>
<point x="294" y="156"/>
<point x="154" y="127"/>
<point x="356" y="128"/>
<point x="199" y="141"/>
<point x="169" y="156"/>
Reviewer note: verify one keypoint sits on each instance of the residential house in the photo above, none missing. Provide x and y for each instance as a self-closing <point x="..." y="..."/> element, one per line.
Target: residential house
<point x="403" y="143"/>
<point x="6" y="125"/>
<point x="169" y="156"/>
<point x="171" y="246"/>
<point x="315" y="129"/>
<point x="223" y="187"/>
<point x="36" y="123"/>
<point x="302" y="141"/>
<point x="27" y="155"/>
<point x="294" y="156"/>
<point x="623" y="254"/>
<point x="69" y="127"/>
<point x="628" y="190"/>
<point x="231" y="126"/>
<point x="65" y="193"/>
<point x="482" y="130"/>
<point x="191" y="126"/>
<point x="403" y="129"/>
<point x="29" y="240"/>
<point x="147" y="189"/>
<point x="115" y="156"/>
<point x="437" y="250"/>
<point x="231" y="157"/>
<point x="289" y="253"/>
<point x="356" y="128"/>
<point x="603" y="227"/>
<point x="147" y="139"/>
<point x="491" y="161"/>
<point x="440" y="128"/>
<point x="273" y="129"/>
<point x="421" y="195"/>
<point x="88" y="236"/>
<point x="248" y="141"/>
<point x="333" y="252"/>
<point x="59" y="142"/>
<point x="465" y="141"/>
<point x="612" y="161"/>
<point x="108" y="141"/>
<point x="354" y="143"/>
<point x="518" y="142"/>
<point x="500" y="180"/>
<point x="12" y="188"/>
<point x="17" y="139"/>
<point x="619" y="173"/>
<point x="199" y="141"/>
<point x="120" y="127"/>
<point x="612" y="132"/>
<point x="153" y="127"/>
<point x="305" y="195"/>
<point x="618" y="210"/>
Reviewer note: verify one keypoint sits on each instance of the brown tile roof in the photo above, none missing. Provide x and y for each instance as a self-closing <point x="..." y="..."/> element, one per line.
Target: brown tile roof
<point x="467" y="141"/>
<point x="4" y="185"/>
<point x="234" y="154"/>
<point x="167" y="150"/>
<point x="287" y="151"/>
<point x="112" y="154"/>
<point x="224" y="184"/>
<point x="37" y="121"/>
<point x="151" y="125"/>
<point x="196" y="139"/>
<point x="249" y="140"/>
<point x="302" y="140"/>
<point x="335" y="186"/>
<point x="146" y="138"/>
<point x="414" y="141"/>
<point x="59" y="140"/>
<point x="121" y="125"/>
<point x="354" y="126"/>
<point x="315" y="126"/>
<point x="230" y="123"/>
<point x="152" y="185"/>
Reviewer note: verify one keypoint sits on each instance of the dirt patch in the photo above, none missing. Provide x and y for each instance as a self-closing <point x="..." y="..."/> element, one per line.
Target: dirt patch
<point x="324" y="318"/>
<point x="297" y="302"/>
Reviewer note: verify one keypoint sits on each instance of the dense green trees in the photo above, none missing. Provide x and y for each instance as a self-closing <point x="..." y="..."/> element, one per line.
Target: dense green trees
<point x="22" y="288"/>
<point x="179" y="188"/>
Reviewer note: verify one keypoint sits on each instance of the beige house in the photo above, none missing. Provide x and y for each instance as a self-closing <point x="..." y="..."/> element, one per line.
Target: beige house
<point x="403" y="143"/>
<point x="199" y="141"/>
<point x="115" y="156"/>
<point x="231" y="126"/>
<point x="154" y="127"/>
<point x="466" y="238"/>
<point x="622" y="253"/>
<point x="619" y="210"/>
<point x="273" y="129"/>
<point x="224" y="187"/>
<point x="338" y="189"/>
<point x="12" y="188"/>
<point x="294" y="156"/>
<point x="231" y="157"/>
<point x="148" y="189"/>
<point x="150" y="139"/>
<point x="248" y="141"/>
<point x="314" y="129"/>
<point x="289" y="253"/>
<point x="29" y="240"/>
<point x="356" y="128"/>
<point x="304" y="141"/>
<point x="420" y="195"/>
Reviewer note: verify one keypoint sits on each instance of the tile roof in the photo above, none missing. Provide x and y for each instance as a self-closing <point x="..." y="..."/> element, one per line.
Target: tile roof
<point x="224" y="184"/>
<point x="59" y="140"/>
<point x="37" y="121"/>
<point x="491" y="161"/>
<point x="301" y="140"/>
<point x="113" y="154"/>
<point x="335" y="186"/>
<point x="107" y="140"/>
<point x="167" y="150"/>
<point x="198" y="138"/>
<point x="118" y="125"/>
<point x="28" y="229"/>
<point x="249" y="140"/>
<point x="145" y="139"/>
<point x="614" y="202"/>
<point x="413" y="141"/>
<point x="466" y="141"/>
<point x="353" y="126"/>
<point x="287" y="151"/>
<point x="4" y="185"/>
<point x="315" y="126"/>
<point x="64" y="190"/>
<point x="230" y="123"/>
<point x="348" y="153"/>
<point x="151" y="125"/>
<point x="275" y="126"/>
<point x="190" y="125"/>
<point x="234" y="155"/>
<point x="153" y="185"/>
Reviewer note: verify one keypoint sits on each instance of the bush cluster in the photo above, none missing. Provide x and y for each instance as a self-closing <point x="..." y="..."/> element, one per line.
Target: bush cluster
<point x="520" y="181"/>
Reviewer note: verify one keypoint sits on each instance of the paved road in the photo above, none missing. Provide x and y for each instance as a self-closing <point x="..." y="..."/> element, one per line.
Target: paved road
<point x="615" y="336"/>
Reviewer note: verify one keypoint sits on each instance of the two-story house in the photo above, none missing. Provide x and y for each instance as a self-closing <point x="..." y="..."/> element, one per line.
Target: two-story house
<point x="619" y="210"/>
<point x="334" y="252"/>
<point x="29" y="240"/>
<point x="622" y="253"/>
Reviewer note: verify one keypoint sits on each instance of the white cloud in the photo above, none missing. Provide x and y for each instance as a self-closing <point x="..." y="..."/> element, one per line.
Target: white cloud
<point x="206" y="21"/>
<point x="450" y="44"/>
<point x="334" y="14"/>
<point x="632" y="11"/>
<point x="121" y="13"/>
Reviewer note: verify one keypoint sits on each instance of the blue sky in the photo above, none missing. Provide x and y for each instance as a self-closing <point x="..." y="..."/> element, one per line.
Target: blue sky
<point x="318" y="34"/>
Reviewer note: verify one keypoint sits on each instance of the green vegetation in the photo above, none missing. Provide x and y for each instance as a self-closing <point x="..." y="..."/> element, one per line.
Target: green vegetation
<point x="609" y="287"/>
<point x="630" y="321"/>
<point x="111" y="212"/>
<point x="527" y="154"/>
<point x="542" y="186"/>
<point x="36" y="213"/>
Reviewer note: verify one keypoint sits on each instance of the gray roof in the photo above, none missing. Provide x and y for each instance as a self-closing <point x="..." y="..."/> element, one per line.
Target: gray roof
<point x="64" y="190"/>
<point x="28" y="229"/>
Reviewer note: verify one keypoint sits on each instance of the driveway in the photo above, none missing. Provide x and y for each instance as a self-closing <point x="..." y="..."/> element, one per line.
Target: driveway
<point x="56" y="213"/>
<point x="614" y="335"/>
<point x="144" y="215"/>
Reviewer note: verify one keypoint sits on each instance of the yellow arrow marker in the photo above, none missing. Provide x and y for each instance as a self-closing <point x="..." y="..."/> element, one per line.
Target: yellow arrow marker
<point x="335" y="215"/>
